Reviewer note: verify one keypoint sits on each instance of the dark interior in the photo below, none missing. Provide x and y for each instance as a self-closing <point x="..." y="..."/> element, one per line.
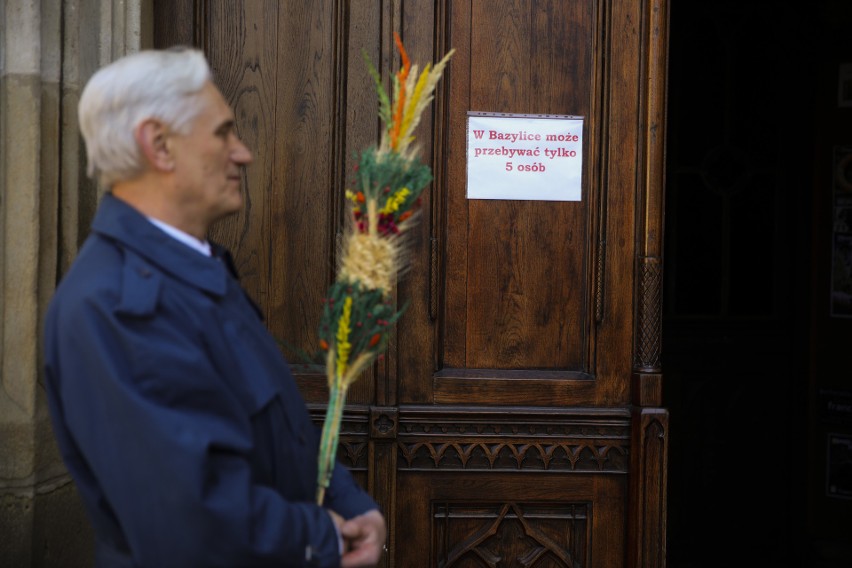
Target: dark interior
<point x="756" y="333"/>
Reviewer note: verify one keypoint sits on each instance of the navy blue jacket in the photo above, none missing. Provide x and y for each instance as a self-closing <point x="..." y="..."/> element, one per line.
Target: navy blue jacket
<point x="177" y="415"/>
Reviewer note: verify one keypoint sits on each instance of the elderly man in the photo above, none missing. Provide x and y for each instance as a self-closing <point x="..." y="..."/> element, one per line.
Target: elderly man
<point x="173" y="408"/>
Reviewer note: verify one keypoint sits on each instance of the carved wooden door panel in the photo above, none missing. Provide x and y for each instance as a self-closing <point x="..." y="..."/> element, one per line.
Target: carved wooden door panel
<point x="515" y="420"/>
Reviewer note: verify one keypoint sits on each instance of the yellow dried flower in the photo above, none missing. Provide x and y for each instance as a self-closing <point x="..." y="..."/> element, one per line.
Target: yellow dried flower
<point x="394" y="201"/>
<point x="343" y="345"/>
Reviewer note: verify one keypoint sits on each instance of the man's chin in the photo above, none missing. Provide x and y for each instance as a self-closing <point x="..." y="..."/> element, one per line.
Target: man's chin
<point x="231" y="207"/>
<point x="235" y="207"/>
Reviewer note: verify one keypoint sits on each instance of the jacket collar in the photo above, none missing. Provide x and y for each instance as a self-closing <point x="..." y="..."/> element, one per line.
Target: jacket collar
<point x="121" y="222"/>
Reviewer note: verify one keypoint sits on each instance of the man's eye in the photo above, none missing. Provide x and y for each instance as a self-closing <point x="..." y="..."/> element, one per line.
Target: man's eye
<point x="225" y="130"/>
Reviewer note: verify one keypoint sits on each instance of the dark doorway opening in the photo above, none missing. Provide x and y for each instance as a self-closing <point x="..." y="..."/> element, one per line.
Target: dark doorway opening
<point x="741" y="143"/>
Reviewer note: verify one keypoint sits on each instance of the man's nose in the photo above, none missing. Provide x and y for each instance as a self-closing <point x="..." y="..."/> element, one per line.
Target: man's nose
<point x="240" y="152"/>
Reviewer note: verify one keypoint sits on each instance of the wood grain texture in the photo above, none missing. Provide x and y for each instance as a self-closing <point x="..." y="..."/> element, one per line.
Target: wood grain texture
<point x="615" y="341"/>
<point x="526" y="263"/>
<point x="174" y="23"/>
<point x="246" y="74"/>
<point x="301" y="242"/>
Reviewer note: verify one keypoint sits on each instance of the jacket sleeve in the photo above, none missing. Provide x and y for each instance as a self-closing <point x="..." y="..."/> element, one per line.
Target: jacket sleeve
<point x="167" y="446"/>
<point x="345" y="496"/>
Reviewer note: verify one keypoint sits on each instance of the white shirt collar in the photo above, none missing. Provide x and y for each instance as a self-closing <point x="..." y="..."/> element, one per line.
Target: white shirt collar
<point x="201" y="246"/>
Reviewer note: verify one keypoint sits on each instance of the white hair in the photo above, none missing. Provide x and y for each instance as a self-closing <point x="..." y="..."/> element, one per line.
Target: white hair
<point x="151" y="84"/>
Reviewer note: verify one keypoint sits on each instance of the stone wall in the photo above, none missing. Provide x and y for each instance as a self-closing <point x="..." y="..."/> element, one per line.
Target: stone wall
<point x="48" y="49"/>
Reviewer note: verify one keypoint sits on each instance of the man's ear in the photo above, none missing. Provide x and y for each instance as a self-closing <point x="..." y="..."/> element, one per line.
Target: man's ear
<point x="153" y="137"/>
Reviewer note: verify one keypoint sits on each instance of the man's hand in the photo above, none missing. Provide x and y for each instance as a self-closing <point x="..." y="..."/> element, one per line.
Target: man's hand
<point x="364" y="538"/>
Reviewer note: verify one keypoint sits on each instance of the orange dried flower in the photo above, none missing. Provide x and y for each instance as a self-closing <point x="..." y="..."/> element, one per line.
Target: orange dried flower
<point x="401" y="76"/>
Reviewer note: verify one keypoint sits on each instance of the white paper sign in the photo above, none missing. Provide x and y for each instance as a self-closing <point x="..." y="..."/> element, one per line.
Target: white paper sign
<point x="531" y="157"/>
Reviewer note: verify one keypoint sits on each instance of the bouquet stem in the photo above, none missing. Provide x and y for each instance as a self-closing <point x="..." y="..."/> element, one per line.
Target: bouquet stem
<point x="329" y="439"/>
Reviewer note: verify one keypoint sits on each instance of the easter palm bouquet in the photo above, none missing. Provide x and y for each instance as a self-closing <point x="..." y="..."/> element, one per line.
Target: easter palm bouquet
<point x="358" y="311"/>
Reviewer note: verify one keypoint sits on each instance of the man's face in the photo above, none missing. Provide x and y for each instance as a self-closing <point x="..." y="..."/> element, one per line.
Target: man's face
<point x="209" y="160"/>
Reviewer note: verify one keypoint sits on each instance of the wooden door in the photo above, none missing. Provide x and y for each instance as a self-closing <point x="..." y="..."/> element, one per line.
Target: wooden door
<point x="516" y="418"/>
